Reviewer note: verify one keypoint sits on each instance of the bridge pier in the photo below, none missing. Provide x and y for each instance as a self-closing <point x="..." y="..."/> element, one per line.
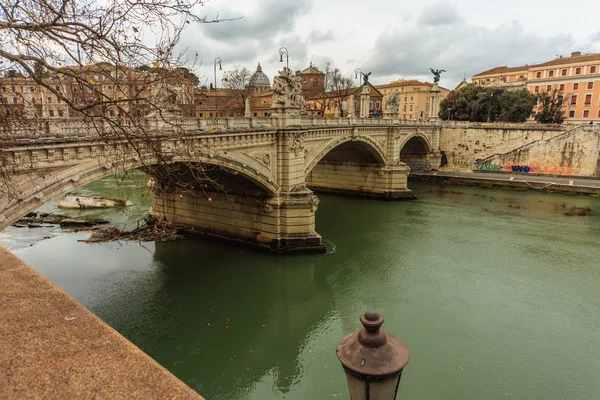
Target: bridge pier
<point x="282" y="223"/>
<point x="387" y="182"/>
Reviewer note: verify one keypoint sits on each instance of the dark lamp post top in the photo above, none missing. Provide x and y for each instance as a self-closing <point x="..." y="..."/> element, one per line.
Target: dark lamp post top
<point x="371" y="353"/>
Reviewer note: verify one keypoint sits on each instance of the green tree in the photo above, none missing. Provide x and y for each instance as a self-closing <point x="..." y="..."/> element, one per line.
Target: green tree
<point x="481" y="104"/>
<point x="550" y="108"/>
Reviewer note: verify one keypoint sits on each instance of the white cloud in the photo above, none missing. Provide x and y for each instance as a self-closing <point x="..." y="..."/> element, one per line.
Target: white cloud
<point x="393" y="39"/>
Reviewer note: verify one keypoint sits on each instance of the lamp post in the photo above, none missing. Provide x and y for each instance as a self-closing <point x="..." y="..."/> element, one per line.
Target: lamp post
<point x="217" y="61"/>
<point x="357" y="74"/>
<point x="372" y="360"/>
<point x="490" y="107"/>
<point x="449" y="110"/>
<point x="283" y="51"/>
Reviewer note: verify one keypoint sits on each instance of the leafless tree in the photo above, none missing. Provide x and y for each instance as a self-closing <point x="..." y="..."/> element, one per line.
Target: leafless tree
<point x="75" y="49"/>
<point x="336" y="89"/>
<point x="238" y="82"/>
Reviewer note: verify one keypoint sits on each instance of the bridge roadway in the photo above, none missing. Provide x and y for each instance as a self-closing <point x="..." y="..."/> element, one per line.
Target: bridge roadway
<point x="265" y="168"/>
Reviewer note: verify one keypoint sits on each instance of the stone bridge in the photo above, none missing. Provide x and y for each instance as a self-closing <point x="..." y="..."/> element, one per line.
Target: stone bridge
<point x="265" y="169"/>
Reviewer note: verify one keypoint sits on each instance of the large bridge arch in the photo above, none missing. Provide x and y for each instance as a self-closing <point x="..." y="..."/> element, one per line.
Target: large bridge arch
<point x="415" y="151"/>
<point x="363" y="143"/>
<point x="43" y="190"/>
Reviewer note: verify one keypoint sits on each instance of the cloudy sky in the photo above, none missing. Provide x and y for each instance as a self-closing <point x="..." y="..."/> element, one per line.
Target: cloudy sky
<point x="393" y="39"/>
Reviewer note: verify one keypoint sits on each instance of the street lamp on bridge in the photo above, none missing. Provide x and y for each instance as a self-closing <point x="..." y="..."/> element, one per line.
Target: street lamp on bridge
<point x="283" y="51"/>
<point x="357" y="74"/>
<point x="217" y="61"/>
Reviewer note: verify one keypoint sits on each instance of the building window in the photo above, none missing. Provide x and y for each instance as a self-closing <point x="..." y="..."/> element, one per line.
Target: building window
<point x="575" y="86"/>
<point x="550" y="74"/>
<point x="201" y="115"/>
<point x="405" y="99"/>
<point x="405" y="108"/>
<point x="572" y="114"/>
<point x="255" y="114"/>
<point x="562" y="87"/>
<point x="370" y="104"/>
<point x="590" y="85"/>
<point x="593" y="69"/>
<point x="314" y="83"/>
<point x="588" y="99"/>
<point x="411" y="107"/>
<point x="536" y="89"/>
<point x="563" y="72"/>
<point x="377" y="105"/>
<point x="538" y="74"/>
<point x="578" y="71"/>
<point x="549" y="88"/>
<point x="598" y="113"/>
<point x="49" y="99"/>
<point x="14" y="100"/>
<point x="212" y="115"/>
<point x="60" y="113"/>
<point x="52" y="113"/>
<point x="586" y="113"/>
<point x="411" y="98"/>
<point x="574" y="100"/>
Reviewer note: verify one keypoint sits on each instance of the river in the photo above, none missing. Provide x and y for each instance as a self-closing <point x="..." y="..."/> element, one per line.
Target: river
<point x="496" y="294"/>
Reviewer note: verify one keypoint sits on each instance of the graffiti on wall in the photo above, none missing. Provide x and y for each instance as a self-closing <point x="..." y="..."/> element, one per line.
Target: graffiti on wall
<point x="489" y="167"/>
<point x="418" y="164"/>
<point x="461" y="163"/>
<point x="542" y="168"/>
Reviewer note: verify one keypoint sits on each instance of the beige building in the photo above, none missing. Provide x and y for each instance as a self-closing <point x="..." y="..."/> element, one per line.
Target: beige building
<point x="575" y="78"/>
<point x="414" y="97"/>
<point x="115" y="91"/>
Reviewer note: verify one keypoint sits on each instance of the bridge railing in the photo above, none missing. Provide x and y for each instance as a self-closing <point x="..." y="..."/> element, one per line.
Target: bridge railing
<point x="74" y="128"/>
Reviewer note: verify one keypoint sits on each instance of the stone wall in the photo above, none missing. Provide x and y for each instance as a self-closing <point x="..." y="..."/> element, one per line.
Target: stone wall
<point x="572" y="153"/>
<point x="562" y="150"/>
<point x="464" y="143"/>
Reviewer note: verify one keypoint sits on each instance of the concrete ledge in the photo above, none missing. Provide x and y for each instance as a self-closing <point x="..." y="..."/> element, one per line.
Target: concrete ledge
<point x="53" y="348"/>
<point x="500" y="181"/>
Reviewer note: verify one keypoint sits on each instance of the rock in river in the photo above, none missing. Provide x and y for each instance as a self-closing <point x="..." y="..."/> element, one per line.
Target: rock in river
<point x="77" y="201"/>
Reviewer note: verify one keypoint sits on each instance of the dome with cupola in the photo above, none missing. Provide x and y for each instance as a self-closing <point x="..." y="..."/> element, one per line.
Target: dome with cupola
<point x="259" y="81"/>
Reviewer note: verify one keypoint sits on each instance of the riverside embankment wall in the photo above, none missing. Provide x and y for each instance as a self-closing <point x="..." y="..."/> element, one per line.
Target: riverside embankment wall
<point x="535" y="149"/>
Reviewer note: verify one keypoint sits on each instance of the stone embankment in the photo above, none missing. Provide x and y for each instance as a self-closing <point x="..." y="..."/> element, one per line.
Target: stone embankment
<point x="54" y="348"/>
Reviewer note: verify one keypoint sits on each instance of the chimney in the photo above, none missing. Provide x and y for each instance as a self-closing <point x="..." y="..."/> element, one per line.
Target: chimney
<point x="575" y="54"/>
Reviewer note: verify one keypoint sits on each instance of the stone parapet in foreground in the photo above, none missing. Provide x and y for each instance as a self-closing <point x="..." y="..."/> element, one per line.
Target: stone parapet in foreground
<point x="51" y="347"/>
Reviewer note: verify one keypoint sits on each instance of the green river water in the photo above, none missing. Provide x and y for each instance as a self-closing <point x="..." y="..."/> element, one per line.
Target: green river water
<point x="496" y="294"/>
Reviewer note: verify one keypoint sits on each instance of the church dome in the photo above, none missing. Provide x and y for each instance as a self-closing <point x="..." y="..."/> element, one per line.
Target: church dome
<point x="259" y="80"/>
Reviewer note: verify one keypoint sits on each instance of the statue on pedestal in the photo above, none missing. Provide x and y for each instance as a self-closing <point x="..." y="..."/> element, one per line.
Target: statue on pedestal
<point x="392" y="104"/>
<point x="436" y="74"/>
<point x="287" y="93"/>
<point x="365" y="78"/>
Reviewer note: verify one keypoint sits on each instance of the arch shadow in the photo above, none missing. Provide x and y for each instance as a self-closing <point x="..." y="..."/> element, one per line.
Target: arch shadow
<point x="41" y="191"/>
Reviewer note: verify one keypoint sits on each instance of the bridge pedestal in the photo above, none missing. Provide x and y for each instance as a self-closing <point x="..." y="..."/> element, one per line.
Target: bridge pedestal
<point x="283" y="223"/>
<point x="387" y="182"/>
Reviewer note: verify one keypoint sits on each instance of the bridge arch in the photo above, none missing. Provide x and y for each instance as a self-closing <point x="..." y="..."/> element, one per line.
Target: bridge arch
<point x="359" y="143"/>
<point x="43" y="190"/>
<point x="415" y="148"/>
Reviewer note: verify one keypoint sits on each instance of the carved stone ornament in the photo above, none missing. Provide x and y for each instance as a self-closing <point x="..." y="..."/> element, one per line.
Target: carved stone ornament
<point x="268" y="208"/>
<point x="287" y="93"/>
<point x="267" y="159"/>
<point x="297" y="143"/>
<point x="392" y="103"/>
<point x="314" y="203"/>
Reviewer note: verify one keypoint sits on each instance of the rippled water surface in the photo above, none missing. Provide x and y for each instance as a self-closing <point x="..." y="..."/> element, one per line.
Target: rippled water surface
<point x="497" y="295"/>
